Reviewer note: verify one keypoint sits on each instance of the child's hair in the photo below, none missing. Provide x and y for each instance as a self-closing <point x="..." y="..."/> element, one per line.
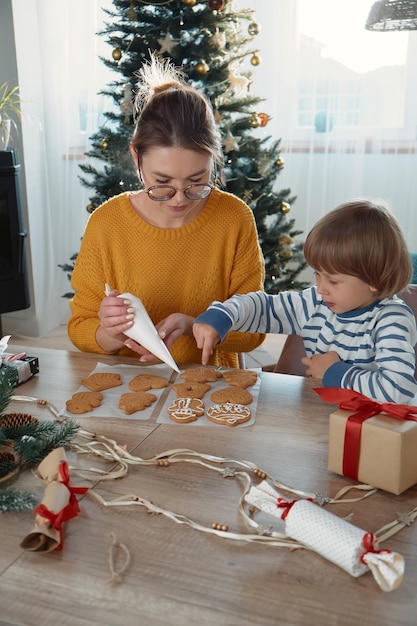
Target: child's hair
<point x="170" y="113"/>
<point x="361" y="238"/>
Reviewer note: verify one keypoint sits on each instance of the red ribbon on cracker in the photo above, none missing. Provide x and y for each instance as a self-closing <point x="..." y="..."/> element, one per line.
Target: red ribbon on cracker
<point x="59" y="504"/>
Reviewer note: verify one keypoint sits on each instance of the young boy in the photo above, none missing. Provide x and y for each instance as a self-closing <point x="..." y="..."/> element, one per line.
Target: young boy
<point x="357" y="333"/>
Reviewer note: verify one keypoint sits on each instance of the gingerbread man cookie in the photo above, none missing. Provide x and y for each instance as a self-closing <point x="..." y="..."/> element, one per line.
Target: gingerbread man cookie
<point x="185" y="410"/>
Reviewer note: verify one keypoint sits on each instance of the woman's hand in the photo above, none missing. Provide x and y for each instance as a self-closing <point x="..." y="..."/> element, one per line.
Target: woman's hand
<point x="116" y="316"/>
<point x="319" y="363"/>
<point x="206" y="338"/>
<point x="169" y="329"/>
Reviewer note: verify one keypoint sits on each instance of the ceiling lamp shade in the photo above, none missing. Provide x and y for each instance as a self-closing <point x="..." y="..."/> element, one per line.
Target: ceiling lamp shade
<point x="393" y="15"/>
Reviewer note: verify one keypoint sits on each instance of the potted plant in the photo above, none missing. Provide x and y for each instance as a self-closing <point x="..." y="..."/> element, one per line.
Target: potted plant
<point x="9" y="107"/>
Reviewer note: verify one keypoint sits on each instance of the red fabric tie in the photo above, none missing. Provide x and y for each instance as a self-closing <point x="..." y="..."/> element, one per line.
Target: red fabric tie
<point x="284" y="504"/>
<point x="287" y="506"/>
<point x="55" y="519"/>
<point x="368" y="542"/>
<point x="365" y="408"/>
<point x="65" y="478"/>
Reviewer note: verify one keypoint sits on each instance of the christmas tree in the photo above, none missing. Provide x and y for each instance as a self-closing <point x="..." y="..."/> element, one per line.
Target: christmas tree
<point x="213" y="45"/>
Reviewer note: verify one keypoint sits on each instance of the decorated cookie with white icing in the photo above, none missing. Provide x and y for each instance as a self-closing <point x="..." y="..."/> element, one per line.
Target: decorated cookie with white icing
<point x="228" y="414"/>
<point x="185" y="410"/>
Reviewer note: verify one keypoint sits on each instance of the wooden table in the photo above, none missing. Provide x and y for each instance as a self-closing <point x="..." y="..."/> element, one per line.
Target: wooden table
<point x="179" y="575"/>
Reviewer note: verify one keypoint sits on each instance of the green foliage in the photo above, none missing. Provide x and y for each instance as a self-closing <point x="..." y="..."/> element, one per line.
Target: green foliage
<point x="32" y="442"/>
<point x="12" y="499"/>
<point x="8" y="380"/>
<point x="25" y="445"/>
<point x="9" y="101"/>
<point x="211" y="48"/>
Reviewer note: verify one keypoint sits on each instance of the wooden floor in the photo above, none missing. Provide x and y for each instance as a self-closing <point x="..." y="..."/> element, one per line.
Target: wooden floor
<point x="264" y="357"/>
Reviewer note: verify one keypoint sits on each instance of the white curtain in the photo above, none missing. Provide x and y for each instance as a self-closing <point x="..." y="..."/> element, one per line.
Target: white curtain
<point x="60" y="75"/>
<point x="343" y="100"/>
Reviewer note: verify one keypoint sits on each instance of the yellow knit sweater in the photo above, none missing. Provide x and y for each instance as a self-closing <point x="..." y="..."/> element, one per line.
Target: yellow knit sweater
<point x="175" y="270"/>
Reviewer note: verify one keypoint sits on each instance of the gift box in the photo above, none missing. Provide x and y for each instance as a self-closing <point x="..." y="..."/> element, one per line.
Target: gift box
<point x="388" y="451"/>
<point x="372" y="443"/>
<point x="26" y="366"/>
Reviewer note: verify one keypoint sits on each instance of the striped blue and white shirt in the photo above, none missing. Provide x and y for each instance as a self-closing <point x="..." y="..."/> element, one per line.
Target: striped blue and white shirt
<point x="375" y="344"/>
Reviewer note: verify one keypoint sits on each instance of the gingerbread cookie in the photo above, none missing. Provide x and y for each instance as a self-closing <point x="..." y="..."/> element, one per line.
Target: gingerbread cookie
<point x="135" y="401"/>
<point x="191" y="389"/>
<point x="143" y="382"/>
<point x="84" y="401"/>
<point x="240" y="378"/>
<point x="185" y="410"/>
<point x="228" y="414"/>
<point x="101" y="381"/>
<point x="201" y="375"/>
<point x="235" y="395"/>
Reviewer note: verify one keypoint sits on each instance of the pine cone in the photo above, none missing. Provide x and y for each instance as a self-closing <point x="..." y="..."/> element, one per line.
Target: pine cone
<point x="7" y="457"/>
<point x="16" y="420"/>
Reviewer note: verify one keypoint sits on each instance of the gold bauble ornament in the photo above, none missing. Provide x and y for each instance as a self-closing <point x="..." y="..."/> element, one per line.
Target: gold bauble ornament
<point x="202" y="68"/>
<point x="285" y="208"/>
<point x="90" y="208"/>
<point x="255" y="60"/>
<point x="104" y="144"/>
<point x="253" y="29"/>
<point x="190" y="3"/>
<point x="280" y="162"/>
<point x="254" y="121"/>
<point x="117" y="54"/>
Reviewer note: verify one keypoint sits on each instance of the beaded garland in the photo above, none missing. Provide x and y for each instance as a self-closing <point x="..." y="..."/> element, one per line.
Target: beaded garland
<point x="107" y="449"/>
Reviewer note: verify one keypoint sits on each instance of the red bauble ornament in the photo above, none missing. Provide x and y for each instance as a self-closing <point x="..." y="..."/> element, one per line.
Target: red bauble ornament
<point x="216" y="5"/>
<point x="263" y="119"/>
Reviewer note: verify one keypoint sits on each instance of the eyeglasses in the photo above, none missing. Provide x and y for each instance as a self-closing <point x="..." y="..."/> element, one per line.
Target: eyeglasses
<point x="166" y="192"/>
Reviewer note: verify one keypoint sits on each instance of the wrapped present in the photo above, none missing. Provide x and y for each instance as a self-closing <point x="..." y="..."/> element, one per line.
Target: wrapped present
<point x="354" y="550"/>
<point x="371" y="442"/>
<point x="59" y="504"/>
<point x="26" y="366"/>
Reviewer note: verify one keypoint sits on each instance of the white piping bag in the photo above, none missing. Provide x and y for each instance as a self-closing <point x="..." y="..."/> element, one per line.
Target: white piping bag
<point x="144" y="332"/>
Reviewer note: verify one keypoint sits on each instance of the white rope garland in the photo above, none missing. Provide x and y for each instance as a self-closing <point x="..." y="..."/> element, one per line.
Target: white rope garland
<point x="107" y="449"/>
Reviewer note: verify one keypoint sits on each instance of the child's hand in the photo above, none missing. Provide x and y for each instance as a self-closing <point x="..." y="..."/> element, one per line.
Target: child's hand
<point x="206" y="338"/>
<point x="319" y="363"/>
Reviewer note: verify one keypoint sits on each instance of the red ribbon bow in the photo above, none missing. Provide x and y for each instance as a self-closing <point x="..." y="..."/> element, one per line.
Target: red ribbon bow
<point x="65" y="478"/>
<point x="365" y="408"/>
<point x="69" y="511"/>
<point x="369" y="541"/>
<point x="56" y="519"/>
<point x="287" y="506"/>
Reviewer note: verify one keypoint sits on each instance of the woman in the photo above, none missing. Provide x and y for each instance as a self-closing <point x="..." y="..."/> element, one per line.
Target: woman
<point x="177" y="244"/>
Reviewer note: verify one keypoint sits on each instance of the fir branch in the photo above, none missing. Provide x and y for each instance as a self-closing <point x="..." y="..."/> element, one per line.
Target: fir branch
<point x="45" y="437"/>
<point x="15" y="500"/>
<point x="8" y="380"/>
